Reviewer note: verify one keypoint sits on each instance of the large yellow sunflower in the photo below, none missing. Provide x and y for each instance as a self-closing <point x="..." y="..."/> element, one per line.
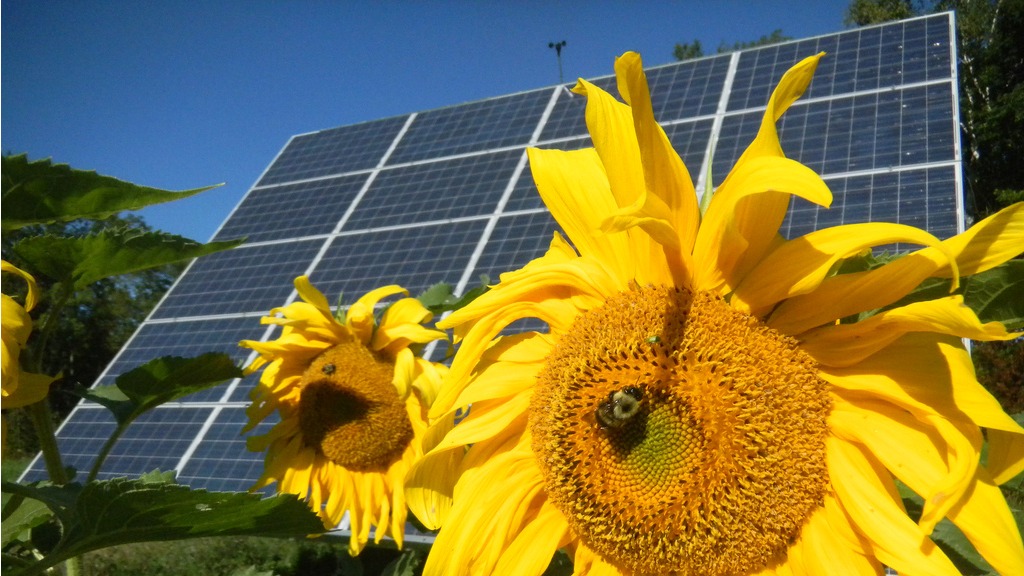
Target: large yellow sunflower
<point x="353" y="400"/>
<point x="697" y="406"/>
<point x="20" y="388"/>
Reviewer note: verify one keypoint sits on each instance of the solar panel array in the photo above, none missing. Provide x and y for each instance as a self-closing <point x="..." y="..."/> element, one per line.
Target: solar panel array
<point x="446" y="195"/>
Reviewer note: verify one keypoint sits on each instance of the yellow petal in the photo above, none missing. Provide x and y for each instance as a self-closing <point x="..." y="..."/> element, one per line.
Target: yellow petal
<point x="488" y="500"/>
<point x="531" y="550"/>
<point x="575" y="189"/>
<point x="800" y="265"/>
<point x="821" y="550"/>
<point x="557" y="313"/>
<point x="430" y="483"/>
<point x="611" y="128"/>
<point x="985" y="245"/>
<point x="870" y="499"/>
<point x="744" y="217"/>
<point x="485" y="420"/>
<point x="848" y="344"/>
<point x="925" y="374"/>
<point x="32" y="296"/>
<point x="32" y="388"/>
<point x="934" y="458"/>
<point x="791" y="87"/>
<point x="310" y="294"/>
<point x="665" y="175"/>
<point x="406" y="311"/>
<point x="986" y="520"/>
<point x="17" y="323"/>
<point x="1005" y="455"/>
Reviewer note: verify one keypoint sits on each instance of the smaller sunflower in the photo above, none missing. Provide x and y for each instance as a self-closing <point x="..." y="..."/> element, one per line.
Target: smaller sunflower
<point x="20" y="388"/>
<point x="353" y="399"/>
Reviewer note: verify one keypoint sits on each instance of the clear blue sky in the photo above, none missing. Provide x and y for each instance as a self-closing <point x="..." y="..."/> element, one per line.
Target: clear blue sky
<point x="179" y="94"/>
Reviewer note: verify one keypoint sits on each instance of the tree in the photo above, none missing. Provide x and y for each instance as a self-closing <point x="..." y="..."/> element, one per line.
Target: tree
<point x="864" y="12"/>
<point x="991" y="99"/>
<point x="691" y="50"/>
<point x="688" y="51"/>
<point x="97" y="321"/>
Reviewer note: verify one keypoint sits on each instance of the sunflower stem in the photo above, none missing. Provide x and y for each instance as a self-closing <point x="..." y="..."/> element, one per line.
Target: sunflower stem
<point x="42" y="421"/>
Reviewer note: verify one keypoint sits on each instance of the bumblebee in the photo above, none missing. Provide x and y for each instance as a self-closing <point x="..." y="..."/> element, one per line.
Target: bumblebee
<point x="620" y="407"/>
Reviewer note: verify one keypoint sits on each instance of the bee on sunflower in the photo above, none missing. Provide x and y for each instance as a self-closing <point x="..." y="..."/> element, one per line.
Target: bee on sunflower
<point x="698" y="404"/>
<point x="352" y="396"/>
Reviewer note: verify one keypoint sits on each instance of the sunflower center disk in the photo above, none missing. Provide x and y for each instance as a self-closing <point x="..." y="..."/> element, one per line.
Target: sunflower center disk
<point x="350" y="411"/>
<point x="678" y="435"/>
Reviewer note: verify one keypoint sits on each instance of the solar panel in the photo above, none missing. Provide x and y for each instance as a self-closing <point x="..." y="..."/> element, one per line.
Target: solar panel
<point x="446" y="195"/>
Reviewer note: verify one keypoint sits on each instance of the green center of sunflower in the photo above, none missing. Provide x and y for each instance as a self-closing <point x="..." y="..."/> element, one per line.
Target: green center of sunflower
<point x="677" y="434"/>
<point x="350" y="411"/>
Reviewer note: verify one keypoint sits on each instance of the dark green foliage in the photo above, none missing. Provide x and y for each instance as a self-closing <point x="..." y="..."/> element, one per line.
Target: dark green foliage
<point x="1000" y="367"/>
<point x="865" y="12"/>
<point x="120" y="511"/>
<point x="691" y="50"/>
<point x="206" y="557"/>
<point x="991" y="99"/>
<point x="688" y="51"/>
<point x="96" y="321"/>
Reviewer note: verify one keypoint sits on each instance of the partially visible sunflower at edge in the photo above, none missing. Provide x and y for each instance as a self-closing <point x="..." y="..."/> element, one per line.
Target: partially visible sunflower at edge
<point x="20" y="388"/>
<point x="697" y="405"/>
<point x="353" y="398"/>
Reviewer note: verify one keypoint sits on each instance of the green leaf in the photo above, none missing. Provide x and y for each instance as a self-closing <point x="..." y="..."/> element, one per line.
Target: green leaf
<point x="440" y="297"/>
<point x="162" y="380"/>
<point x="122" y="510"/>
<point x="405" y="565"/>
<point x="42" y="192"/>
<point x="998" y="294"/>
<point x="84" y="260"/>
<point x="21" y="515"/>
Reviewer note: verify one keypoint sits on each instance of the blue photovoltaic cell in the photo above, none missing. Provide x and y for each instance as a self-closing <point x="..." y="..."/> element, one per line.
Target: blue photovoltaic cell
<point x="689" y="89"/>
<point x="414" y="258"/>
<point x="867" y="132"/>
<point x="467" y="186"/>
<point x="245" y="279"/>
<point x="222" y="461"/>
<point x="156" y="441"/>
<point x="877" y="123"/>
<point x="187" y="339"/>
<point x="690" y="141"/>
<point x="515" y="241"/>
<point x="923" y="198"/>
<point x="566" y="119"/>
<point x="334" y="151"/>
<point x="862" y="59"/>
<point x="292" y="210"/>
<point x="472" y="127"/>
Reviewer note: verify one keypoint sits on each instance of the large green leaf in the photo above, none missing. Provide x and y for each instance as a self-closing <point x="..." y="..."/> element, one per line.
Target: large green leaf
<point x="21" y="515"/>
<point x="153" y="508"/>
<point x="86" y="259"/>
<point x="41" y="192"/>
<point x="162" y="380"/>
<point x="441" y="298"/>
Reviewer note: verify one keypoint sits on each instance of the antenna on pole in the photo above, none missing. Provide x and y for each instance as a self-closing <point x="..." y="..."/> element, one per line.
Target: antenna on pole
<point x="558" y="52"/>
